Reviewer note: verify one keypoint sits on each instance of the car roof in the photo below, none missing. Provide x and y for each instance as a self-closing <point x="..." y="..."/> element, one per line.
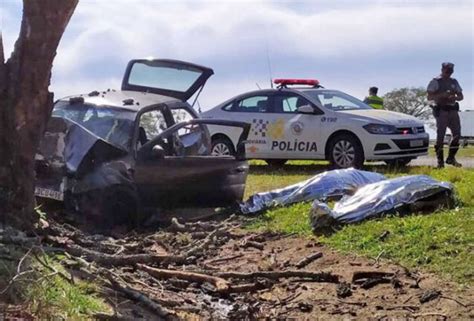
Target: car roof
<point x="271" y="91"/>
<point x="129" y="100"/>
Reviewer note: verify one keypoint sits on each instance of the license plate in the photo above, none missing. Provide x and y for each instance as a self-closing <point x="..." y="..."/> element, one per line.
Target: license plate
<point x="49" y="193"/>
<point x="416" y="143"/>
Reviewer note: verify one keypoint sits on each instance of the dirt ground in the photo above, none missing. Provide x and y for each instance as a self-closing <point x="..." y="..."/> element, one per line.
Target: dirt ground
<point x="217" y="270"/>
<point x="396" y="293"/>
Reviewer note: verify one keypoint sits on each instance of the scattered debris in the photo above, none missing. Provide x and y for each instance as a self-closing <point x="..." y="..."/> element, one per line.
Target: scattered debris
<point x="308" y="259"/>
<point x="384" y="235"/>
<point x="343" y="290"/>
<point x="199" y="271"/>
<point x="429" y="295"/>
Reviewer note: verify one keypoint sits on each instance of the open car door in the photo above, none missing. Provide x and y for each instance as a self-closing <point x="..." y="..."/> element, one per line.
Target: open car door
<point x="168" y="176"/>
<point x="173" y="78"/>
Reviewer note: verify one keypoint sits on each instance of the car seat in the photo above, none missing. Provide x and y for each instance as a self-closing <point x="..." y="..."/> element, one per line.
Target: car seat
<point x="262" y="106"/>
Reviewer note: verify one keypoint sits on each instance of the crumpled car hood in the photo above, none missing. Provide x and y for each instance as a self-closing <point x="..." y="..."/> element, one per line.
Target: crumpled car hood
<point x="330" y="184"/>
<point x="68" y="146"/>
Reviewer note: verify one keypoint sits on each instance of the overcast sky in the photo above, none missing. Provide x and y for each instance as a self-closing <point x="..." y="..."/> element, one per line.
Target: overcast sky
<point x="347" y="45"/>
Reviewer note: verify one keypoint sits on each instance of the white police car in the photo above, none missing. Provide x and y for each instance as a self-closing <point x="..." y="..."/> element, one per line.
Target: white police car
<point x="310" y="122"/>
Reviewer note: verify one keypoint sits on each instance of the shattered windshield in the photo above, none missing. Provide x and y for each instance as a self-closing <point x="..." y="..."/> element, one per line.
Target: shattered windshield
<point x="112" y="124"/>
<point x="336" y="100"/>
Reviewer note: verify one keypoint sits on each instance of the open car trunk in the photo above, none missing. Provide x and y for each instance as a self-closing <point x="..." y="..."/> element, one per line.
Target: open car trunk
<point x="172" y="78"/>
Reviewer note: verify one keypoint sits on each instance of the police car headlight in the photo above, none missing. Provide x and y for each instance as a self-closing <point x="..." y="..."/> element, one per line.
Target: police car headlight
<point x="380" y="129"/>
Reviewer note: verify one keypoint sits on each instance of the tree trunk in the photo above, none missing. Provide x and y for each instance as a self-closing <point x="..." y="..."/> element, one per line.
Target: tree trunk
<point x="26" y="104"/>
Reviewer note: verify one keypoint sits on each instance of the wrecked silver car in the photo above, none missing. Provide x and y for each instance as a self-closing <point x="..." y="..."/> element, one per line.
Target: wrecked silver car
<point x="110" y="154"/>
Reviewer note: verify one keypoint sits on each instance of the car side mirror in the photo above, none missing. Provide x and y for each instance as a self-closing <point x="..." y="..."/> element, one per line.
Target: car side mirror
<point x="305" y="109"/>
<point x="157" y="152"/>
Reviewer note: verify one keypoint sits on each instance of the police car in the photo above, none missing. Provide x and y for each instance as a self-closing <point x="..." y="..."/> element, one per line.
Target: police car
<point x="302" y="120"/>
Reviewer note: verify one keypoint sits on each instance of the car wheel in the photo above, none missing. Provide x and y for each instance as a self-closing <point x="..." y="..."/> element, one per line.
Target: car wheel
<point x="222" y="147"/>
<point x="345" y="151"/>
<point x="276" y="162"/>
<point x="117" y="205"/>
<point x="399" y="162"/>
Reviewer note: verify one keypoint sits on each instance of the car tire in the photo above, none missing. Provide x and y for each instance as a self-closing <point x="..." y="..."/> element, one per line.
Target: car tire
<point x="222" y="146"/>
<point x="276" y="162"/>
<point x="117" y="205"/>
<point x="399" y="162"/>
<point x="345" y="151"/>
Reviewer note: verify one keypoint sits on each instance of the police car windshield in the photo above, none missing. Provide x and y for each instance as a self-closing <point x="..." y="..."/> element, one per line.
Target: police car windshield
<point x="335" y="100"/>
<point x="114" y="125"/>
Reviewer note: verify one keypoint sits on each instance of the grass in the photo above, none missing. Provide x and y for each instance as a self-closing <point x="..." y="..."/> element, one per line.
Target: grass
<point x="467" y="151"/>
<point x="441" y="242"/>
<point x="46" y="295"/>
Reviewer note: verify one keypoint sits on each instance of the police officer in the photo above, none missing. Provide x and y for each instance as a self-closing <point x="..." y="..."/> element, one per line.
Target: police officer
<point x="446" y="92"/>
<point x="373" y="100"/>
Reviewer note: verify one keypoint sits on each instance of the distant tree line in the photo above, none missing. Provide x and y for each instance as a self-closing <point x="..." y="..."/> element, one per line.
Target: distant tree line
<point x="409" y="100"/>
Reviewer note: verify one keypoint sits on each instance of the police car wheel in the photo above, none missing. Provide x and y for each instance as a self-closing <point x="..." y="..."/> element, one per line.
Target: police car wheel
<point x="345" y="151"/>
<point x="276" y="162"/>
<point x="222" y="147"/>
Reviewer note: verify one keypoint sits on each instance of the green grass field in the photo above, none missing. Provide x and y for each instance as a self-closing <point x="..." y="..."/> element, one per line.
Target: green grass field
<point x="467" y="151"/>
<point x="441" y="242"/>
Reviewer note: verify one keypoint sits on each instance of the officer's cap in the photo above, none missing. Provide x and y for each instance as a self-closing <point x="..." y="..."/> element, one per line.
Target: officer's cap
<point x="448" y="65"/>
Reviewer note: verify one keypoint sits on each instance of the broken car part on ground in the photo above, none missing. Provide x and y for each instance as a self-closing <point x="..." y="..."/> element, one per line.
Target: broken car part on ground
<point x="110" y="154"/>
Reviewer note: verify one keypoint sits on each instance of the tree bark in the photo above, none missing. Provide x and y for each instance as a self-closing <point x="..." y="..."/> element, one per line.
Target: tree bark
<point x="26" y="104"/>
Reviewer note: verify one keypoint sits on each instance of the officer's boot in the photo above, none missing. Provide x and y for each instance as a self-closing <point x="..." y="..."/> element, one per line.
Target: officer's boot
<point x="451" y="160"/>
<point x="440" y="156"/>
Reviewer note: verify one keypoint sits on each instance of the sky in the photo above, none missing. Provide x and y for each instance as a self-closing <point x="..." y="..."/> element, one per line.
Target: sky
<point x="347" y="45"/>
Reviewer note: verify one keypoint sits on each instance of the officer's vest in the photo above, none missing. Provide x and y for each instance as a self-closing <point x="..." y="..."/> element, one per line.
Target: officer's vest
<point x="445" y="85"/>
<point x="375" y="102"/>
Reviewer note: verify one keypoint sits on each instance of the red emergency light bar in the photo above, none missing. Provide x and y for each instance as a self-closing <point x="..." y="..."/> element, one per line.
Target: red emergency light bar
<point x="285" y="82"/>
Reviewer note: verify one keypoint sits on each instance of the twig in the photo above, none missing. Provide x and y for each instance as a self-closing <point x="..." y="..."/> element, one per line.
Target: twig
<point x="455" y="300"/>
<point x="308" y="259"/>
<point x="220" y="284"/>
<point x="139" y="297"/>
<point x="314" y="276"/>
<point x="379" y="256"/>
<point x="223" y="259"/>
<point x="119" y="260"/>
<point x="248" y="243"/>
<point x="361" y="304"/>
<point x="430" y="314"/>
<point x="13" y="279"/>
<point x="70" y="280"/>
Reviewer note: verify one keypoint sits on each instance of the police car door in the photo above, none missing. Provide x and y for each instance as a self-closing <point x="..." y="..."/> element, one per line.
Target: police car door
<point x="252" y="109"/>
<point x="293" y="135"/>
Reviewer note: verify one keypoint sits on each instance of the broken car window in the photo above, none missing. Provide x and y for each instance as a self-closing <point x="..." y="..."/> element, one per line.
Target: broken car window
<point x="114" y="125"/>
<point x="152" y="123"/>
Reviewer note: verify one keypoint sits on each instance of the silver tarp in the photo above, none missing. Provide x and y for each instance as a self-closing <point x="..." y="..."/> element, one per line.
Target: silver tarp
<point x="330" y="184"/>
<point x="372" y="200"/>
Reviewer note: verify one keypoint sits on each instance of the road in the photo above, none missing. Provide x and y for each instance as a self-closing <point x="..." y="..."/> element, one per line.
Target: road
<point x="467" y="162"/>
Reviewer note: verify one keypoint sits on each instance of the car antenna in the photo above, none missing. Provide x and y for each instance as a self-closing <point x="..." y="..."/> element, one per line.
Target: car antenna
<point x="269" y="63"/>
<point x="258" y="85"/>
<point x="199" y="106"/>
